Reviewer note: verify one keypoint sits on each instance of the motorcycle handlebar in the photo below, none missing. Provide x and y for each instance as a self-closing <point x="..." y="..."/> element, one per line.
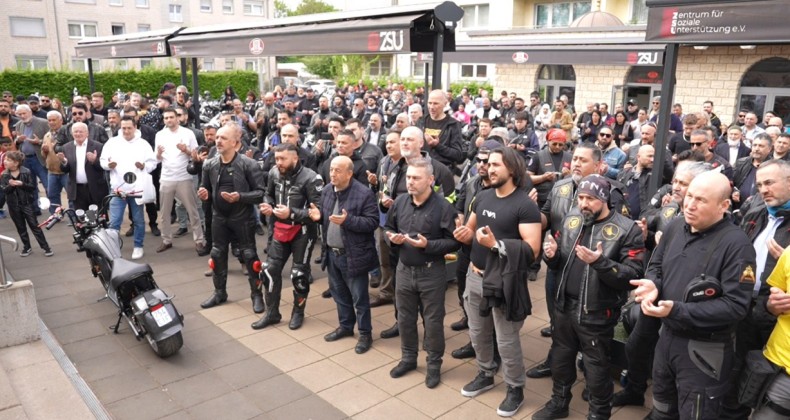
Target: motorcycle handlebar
<point x="56" y="217"/>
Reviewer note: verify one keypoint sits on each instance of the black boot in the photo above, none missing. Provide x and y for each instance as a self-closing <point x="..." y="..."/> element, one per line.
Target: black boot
<point x="272" y="315"/>
<point x="217" y="298"/>
<point x="557" y="407"/>
<point x="297" y="316"/>
<point x="257" y="303"/>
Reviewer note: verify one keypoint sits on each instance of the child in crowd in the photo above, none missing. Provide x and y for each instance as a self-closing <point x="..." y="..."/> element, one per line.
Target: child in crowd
<point x="17" y="184"/>
<point x="5" y="143"/>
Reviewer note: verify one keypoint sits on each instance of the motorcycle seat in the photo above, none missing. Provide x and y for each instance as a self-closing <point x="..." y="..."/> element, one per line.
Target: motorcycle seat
<point x="123" y="271"/>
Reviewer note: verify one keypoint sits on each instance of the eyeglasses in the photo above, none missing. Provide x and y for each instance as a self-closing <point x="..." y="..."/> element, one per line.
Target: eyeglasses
<point x="656" y="103"/>
<point x="482" y="161"/>
<point x="604" y="135"/>
<point x="45" y="100"/>
<point x="697" y="144"/>
<point x="77" y="113"/>
<point x="741" y="115"/>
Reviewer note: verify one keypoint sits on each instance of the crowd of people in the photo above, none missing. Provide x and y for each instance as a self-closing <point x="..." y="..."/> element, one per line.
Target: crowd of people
<point x="390" y="183"/>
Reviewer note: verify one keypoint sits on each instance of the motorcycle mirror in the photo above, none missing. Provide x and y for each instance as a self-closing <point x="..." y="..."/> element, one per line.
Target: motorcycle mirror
<point x="43" y="203"/>
<point x="129" y="177"/>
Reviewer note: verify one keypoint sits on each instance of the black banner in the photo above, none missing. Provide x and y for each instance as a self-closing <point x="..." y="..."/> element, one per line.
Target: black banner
<point x="742" y="23"/>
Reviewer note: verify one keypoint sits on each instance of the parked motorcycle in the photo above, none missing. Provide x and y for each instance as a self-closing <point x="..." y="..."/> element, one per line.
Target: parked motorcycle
<point x="149" y="311"/>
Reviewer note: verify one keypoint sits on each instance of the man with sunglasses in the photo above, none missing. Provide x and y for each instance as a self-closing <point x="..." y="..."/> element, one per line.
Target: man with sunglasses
<point x="79" y="113"/>
<point x="613" y="158"/>
<point x="700" y="140"/>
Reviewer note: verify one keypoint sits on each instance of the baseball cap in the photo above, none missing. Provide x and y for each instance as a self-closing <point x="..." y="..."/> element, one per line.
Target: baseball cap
<point x="556" y="135"/>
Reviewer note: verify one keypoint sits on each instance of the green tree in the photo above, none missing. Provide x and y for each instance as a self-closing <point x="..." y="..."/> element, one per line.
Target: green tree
<point x="310" y="7"/>
<point x="325" y="65"/>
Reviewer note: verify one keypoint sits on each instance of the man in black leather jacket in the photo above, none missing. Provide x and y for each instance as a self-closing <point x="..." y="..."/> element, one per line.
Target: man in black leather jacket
<point x="289" y="192"/>
<point x="234" y="183"/>
<point x="599" y="252"/>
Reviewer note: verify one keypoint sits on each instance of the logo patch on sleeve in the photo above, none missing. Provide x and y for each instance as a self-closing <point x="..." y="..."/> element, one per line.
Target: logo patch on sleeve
<point x="748" y="275"/>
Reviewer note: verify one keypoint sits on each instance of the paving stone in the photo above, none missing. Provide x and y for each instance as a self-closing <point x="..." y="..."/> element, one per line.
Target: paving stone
<point x="247" y="372"/>
<point x="391" y="409"/>
<point x="151" y="404"/>
<point x="197" y="389"/>
<point x="321" y="375"/>
<point x="224" y="354"/>
<point x="275" y="392"/>
<point x="123" y="385"/>
<point x="354" y="396"/>
<point x="181" y="365"/>
<point x="432" y="402"/>
<point x="227" y="407"/>
<point x="312" y="407"/>
<point x="79" y="331"/>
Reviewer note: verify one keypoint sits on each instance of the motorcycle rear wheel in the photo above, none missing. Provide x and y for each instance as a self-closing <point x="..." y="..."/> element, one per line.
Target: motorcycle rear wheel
<point x="167" y="347"/>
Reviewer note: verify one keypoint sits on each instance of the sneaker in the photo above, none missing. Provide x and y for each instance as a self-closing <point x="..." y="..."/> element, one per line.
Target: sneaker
<point x="542" y="370"/>
<point x="48" y="253"/>
<point x="480" y="384"/>
<point x="512" y="402"/>
<point x="180" y="232"/>
<point x="25" y="252"/>
<point x="137" y="253"/>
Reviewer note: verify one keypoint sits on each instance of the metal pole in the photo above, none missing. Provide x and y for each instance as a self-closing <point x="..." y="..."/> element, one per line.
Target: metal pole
<point x="195" y="93"/>
<point x="664" y="118"/>
<point x="425" y="66"/>
<point x="5" y="282"/>
<point x="438" y="50"/>
<point x="91" y="81"/>
<point x="184" y="71"/>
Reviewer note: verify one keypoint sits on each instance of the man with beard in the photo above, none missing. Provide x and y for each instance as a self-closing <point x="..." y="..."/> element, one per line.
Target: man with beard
<point x="733" y="149"/>
<point x="79" y="113"/>
<point x="700" y="140"/>
<point x="443" y="132"/>
<point x="781" y="146"/>
<point x="320" y="120"/>
<point x="504" y="223"/>
<point x="394" y="107"/>
<point x="508" y="112"/>
<point x="561" y="118"/>
<point x="233" y="184"/>
<point x="745" y="172"/>
<point x="34" y="104"/>
<point x="486" y="111"/>
<point x="339" y="107"/>
<point x="344" y="146"/>
<point x="420" y="226"/>
<point x="586" y="160"/>
<point x="155" y="116"/>
<point x="599" y="252"/>
<point x="649" y="138"/>
<point x="182" y="100"/>
<point x="369" y="153"/>
<point x="401" y="121"/>
<point x="7" y="120"/>
<point x="637" y="182"/>
<point x="522" y="137"/>
<point x="680" y="141"/>
<point x="97" y="104"/>
<point x="148" y="134"/>
<point x="57" y="181"/>
<point x="113" y="122"/>
<point x="181" y="212"/>
<point x="750" y="127"/>
<point x="484" y="127"/>
<point x="290" y="191"/>
<point x="375" y="134"/>
<point x="614" y="158"/>
<point x="308" y="106"/>
<point x="266" y="116"/>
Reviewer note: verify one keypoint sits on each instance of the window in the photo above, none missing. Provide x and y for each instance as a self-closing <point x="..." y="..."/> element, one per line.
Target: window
<point x="118" y="29"/>
<point x="208" y="64"/>
<point x="474" y="71"/>
<point x="557" y="15"/>
<point x="143" y="27"/>
<point x="253" y="7"/>
<point x="31" y="27"/>
<point x="638" y="12"/>
<point x="81" y="65"/>
<point x="115" y="2"/>
<point x="417" y="68"/>
<point x="554" y="81"/>
<point x="82" y="1"/>
<point x="141" y="3"/>
<point x="227" y="7"/>
<point x="251" y="65"/>
<point x="205" y="6"/>
<point x="121" y="65"/>
<point x="475" y="16"/>
<point x="29" y="62"/>
<point x="230" y="64"/>
<point x="175" y="13"/>
<point x="82" y="29"/>
<point x="145" y="63"/>
<point x="380" y="66"/>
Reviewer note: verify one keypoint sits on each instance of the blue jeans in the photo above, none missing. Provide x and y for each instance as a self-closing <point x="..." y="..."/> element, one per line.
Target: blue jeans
<point x="55" y="185"/>
<point x="117" y="207"/>
<point x="350" y="294"/>
<point x="39" y="172"/>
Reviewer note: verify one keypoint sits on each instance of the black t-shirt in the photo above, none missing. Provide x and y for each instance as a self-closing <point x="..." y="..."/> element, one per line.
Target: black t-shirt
<point x="224" y="184"/>
<point x="434" y="127"/>
<point x="502" y="216"/>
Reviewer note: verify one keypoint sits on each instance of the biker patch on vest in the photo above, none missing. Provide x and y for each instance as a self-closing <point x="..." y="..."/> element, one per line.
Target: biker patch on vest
<point x="669" y="212"/>
<point x="748" y="275"/>
<point x="574" y="222"/>
<point x="565" y="190"/>
<point x="610" y="231"/>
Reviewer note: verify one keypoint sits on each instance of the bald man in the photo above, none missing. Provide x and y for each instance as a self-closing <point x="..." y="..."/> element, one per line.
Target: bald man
<point x="442" y="133"/>
<point x="637" y="181"/>
<point x="699" y="283"/>
<point x="234" y="184"/>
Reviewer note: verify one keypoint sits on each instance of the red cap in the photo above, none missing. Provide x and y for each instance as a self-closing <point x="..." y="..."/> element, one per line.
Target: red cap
<point x="556" y="135"/>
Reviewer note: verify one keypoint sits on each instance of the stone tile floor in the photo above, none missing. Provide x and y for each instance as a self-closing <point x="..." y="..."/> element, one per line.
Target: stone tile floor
<point x="227" y="370"/>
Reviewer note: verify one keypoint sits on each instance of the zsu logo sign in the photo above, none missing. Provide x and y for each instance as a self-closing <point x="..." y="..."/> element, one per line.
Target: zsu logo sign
<point x="256" y="46"/>
<point x="642" y="58"/>
<point x="159" y="48"/>
<point x="385" y="41"/>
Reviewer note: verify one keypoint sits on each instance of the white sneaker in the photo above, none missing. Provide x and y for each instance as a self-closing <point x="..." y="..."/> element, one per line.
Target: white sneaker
<point x="137" y="253"/>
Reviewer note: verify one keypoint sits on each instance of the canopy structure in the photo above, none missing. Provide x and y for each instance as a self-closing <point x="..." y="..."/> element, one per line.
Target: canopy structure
<point x="621" y="52"/>
<point x="136" y="45"/>
<point x="706" y="22"/>
<point x="417" y="28"/>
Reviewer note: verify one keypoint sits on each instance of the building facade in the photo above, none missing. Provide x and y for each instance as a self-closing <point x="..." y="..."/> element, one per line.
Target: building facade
<point x="42" y="34"/>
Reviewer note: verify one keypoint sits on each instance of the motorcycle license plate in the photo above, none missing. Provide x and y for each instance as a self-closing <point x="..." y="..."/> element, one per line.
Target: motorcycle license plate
<point x="161" y="316"/>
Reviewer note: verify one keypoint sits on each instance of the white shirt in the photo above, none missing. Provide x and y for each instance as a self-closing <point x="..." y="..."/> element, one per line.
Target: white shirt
<point x="174" y="162"/>
<point x="761" y="247"/>
<point x="81" y="151"/>
<point x="125" y="153"/>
